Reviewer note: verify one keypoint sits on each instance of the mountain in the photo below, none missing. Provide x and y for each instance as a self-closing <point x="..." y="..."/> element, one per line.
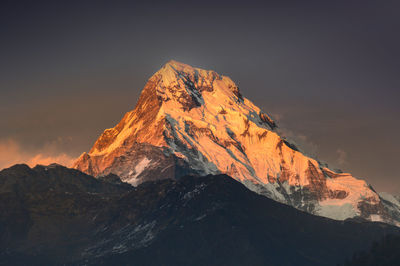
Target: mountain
<point x="194" y="121"/>
<point x="44" y="212"/>
<point x="52" y="215"/>
<point x="382" y="253"/>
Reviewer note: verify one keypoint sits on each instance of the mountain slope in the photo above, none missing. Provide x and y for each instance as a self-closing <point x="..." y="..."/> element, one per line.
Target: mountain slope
<point x="211" y="220"/>
<point x="194" y="121"/>
<point x="382" y="253"/>
<point x="46" y="211"/>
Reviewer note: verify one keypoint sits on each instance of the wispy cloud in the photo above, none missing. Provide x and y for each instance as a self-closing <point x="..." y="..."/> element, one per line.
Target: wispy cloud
<point x="11" y="152"/>
<point x="302" y="141"/>
<point x="342" y="156"/>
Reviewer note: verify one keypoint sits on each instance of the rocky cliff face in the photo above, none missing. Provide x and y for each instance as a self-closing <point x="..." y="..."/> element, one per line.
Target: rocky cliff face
<point x="194" y="121"/>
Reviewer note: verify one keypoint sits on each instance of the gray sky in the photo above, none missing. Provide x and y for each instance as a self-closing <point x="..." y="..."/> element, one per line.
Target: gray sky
<point x="327" y="70"/>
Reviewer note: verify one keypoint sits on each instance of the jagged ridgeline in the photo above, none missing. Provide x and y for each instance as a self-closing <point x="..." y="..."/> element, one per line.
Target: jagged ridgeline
<point x="194" y="121"/>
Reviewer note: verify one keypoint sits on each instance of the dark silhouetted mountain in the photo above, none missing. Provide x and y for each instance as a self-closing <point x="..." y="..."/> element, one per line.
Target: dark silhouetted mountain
<point x="52" y="215"/>
<point x="383" y="253"/>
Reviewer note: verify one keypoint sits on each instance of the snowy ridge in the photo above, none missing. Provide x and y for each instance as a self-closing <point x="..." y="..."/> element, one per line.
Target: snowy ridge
<point x="194" y="121"/>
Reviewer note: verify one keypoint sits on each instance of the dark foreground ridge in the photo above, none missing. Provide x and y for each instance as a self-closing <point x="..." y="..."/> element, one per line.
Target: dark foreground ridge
<point x="58" y="216"/>
<point x="382" y="253"/>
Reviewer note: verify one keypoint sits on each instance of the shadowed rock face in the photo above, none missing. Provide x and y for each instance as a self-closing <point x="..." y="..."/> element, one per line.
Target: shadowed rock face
<point x="58" y="216"/>
<point x="194" y="121"/>
<point x="140" y="163"/>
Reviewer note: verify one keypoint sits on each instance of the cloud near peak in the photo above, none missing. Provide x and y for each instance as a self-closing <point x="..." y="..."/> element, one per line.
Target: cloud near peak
<point x="11" y="152"/>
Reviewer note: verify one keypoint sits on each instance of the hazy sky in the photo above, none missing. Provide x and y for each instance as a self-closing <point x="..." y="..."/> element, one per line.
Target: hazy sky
<point x="327" y="70"/>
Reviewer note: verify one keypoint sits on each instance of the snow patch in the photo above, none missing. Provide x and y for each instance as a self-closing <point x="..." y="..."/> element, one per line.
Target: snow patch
<point x="389" y="197"/>
<point x="139" y="168"/>
<point x="375" y="218"/>
<point x="191" y="194"/>
<point x="337" y="212"/>
<point x="143" y="164"/>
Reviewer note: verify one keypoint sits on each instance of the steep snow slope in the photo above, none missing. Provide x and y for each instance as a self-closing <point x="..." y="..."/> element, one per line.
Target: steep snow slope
<point x="194" y="121"/>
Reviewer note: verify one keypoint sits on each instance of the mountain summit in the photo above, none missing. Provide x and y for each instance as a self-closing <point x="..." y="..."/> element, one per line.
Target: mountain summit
<point x="194" y="121"/>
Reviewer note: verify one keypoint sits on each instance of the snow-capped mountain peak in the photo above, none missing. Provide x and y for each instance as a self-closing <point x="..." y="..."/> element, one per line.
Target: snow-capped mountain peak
<point x="194" y="121"/>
